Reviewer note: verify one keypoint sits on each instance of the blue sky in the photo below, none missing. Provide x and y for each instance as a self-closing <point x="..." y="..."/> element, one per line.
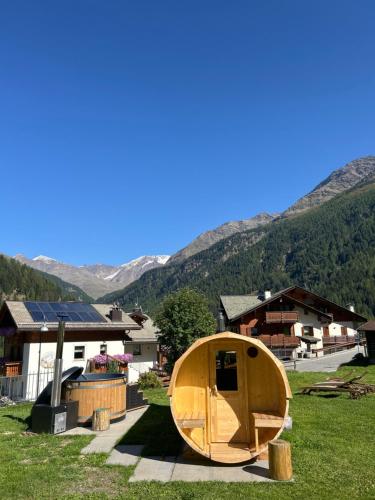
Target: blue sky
<point x="128" y="128"/>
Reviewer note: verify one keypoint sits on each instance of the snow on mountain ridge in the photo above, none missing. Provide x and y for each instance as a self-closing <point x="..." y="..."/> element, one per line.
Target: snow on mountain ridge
<point x="163" y="259"/>
<point x="96" y="279"/>
<point x="113" y="275"/>
<point x="160" y="259"/>
<point x="44" y="258"/>
<point x="135" y="268"/>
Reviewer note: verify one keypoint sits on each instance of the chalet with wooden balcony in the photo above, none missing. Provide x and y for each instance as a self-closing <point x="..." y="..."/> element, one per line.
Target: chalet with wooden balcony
<point x="292" y="320"/>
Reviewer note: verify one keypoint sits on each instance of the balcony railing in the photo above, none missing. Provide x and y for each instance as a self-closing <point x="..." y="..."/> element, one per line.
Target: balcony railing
<point x="11" y="369"/>
<point x="279" y="340"/>
<point x="282" y="317"/>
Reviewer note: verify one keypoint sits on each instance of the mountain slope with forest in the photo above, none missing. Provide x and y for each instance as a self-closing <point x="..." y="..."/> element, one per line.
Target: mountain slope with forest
<point x="340" y="180"/>
<point x="209" y="238"/>
<point x="328" y="249"/>
<point x="18" y="281"/>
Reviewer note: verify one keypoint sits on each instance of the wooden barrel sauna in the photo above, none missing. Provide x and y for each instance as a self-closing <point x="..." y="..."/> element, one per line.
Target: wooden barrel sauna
<point x="97" y="390"/>
<point x="229" y="397"/>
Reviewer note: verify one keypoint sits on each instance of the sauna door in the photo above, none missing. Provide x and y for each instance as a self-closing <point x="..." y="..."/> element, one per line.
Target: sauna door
<point x="229" y="419"/>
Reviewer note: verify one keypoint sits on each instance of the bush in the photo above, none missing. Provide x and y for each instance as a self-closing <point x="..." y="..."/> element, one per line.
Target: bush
<point x="112" y="367"/>
<point x="149" y="380"/>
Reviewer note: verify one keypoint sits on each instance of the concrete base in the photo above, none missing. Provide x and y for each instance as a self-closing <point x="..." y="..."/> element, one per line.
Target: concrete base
<point x="154" y="469"/>
<point x="104" y="441"/>
<point x="182" y="469"/>
<point x="125" y="455"/>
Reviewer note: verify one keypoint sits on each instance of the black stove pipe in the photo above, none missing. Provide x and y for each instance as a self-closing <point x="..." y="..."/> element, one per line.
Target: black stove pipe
<point x="56" y="384"/>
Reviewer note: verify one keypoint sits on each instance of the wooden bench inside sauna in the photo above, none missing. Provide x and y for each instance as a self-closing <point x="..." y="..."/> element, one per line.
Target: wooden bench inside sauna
<point x="229" y="397"/>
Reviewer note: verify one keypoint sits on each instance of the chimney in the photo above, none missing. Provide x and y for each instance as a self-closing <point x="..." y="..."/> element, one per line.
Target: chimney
<point x="351" y="307"/>
<point x="267" y="294"/>
<point x="115" y="314"/>
<point x="220" y="321"/>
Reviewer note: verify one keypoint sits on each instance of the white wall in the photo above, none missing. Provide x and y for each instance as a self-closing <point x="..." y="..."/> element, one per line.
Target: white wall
<point x="148" y="352"/>
<point x="139" y="365"/>
<point x="142" y="363"/>
<point x="311" y="319"/>
<point x="308" y="319"/>
<point x="335" y="328"/>
<point x="48" y="352"/>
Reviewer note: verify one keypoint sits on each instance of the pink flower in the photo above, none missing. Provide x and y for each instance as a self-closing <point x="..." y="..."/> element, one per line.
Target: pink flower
<point x="101" y="359"/>
<point x="124" y="358"/>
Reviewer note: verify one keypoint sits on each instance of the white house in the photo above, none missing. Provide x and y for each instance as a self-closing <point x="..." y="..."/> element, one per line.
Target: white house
<point x="142" y="344"/>
<point x="30" y="331"/>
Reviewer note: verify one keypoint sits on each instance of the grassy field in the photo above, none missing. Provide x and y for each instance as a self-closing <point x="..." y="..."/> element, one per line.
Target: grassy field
<point x="333" y="446"/>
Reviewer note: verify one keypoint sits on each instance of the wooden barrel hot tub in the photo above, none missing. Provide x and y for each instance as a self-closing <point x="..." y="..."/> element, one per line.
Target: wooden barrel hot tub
<point x="229" y="397"/>
<point x="97" y="390"/>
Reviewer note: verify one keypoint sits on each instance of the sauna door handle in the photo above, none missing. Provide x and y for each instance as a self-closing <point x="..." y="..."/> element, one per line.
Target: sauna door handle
<point x="214" y="390"/>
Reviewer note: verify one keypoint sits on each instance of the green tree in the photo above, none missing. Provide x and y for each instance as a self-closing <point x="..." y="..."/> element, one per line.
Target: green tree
<point x="183" y="317"/>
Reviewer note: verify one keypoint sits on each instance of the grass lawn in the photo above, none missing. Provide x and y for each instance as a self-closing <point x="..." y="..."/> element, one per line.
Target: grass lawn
<point x="333" y="449"/>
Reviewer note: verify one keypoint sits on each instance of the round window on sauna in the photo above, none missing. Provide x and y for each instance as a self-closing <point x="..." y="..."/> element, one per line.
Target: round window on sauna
<point x="252" y="352"/>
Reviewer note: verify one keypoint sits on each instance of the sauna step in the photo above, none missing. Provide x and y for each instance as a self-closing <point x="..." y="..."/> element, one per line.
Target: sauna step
<point x="230" y="452"/>
<point x="163" y="376"/>
<point x="134" y="397"/>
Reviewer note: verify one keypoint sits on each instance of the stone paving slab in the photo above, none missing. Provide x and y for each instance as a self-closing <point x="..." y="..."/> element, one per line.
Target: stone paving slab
<point x="257" y="472"/>
<point x="157" y="469"/>
<point x="192" y="471"/>
<point x="154" y="469"/>
<point x="105" y="441"/>
<point x="127" y="454"/>
<point x="101" y="444"/>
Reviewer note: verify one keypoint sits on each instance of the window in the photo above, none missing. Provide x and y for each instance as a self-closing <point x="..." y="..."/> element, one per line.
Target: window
<point x="226" y="371"/>
<point x="137" y="351"/>
<point x="308" y="330"/>
<point x="254" y="332"/>
<point x="79" y="352"/>
<point x="103" y="349"/>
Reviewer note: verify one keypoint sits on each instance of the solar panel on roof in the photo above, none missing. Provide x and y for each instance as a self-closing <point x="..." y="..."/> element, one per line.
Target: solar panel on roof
<point x="33" y="306"/>
<point x="77" y="312"/>
<point x="37" y="315"/>
<point x="45" y="306"/>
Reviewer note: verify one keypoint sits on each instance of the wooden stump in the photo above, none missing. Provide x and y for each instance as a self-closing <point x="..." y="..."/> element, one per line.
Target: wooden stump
<point x="280" y="460"/>
<point x="100" y="419"/>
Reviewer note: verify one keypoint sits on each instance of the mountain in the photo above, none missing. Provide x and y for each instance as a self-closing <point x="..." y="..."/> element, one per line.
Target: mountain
<point x="68" y="290"/>
<point x="339" y="181"/>
<point x="131" y="271"/>
<point x="209" y="238"/>
<point x="342" y="179"/>
<point x="96" y="279"/>
<point x="328" y="249"/>
<point x="18" y="281"/>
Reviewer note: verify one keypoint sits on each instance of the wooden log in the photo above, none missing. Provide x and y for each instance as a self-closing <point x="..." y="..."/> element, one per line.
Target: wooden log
<point x="280" y="460"/>
<point x="100" y="419"/>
